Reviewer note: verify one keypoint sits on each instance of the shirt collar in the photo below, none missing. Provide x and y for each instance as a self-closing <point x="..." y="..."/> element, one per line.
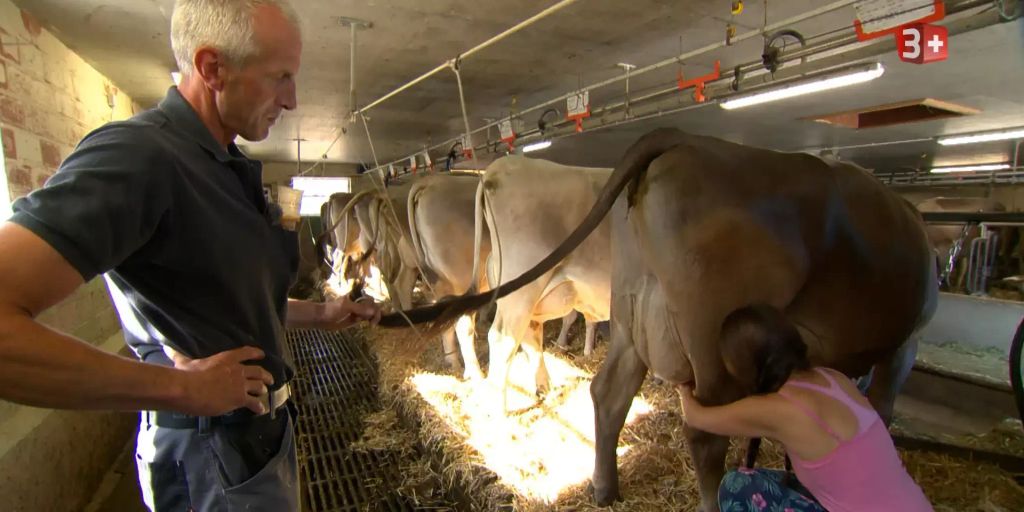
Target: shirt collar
<point x="184" y="117"/>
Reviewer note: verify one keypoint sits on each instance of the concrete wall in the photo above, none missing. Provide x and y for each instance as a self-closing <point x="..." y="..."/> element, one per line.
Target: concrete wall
<point x="49" y="99"/>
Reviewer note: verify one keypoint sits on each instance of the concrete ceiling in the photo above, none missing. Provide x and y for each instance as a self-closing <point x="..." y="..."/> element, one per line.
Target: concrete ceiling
<point x="127" y="40"/>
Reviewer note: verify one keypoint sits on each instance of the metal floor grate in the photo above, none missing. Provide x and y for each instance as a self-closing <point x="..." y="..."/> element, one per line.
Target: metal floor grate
<point x="334" y="388"/>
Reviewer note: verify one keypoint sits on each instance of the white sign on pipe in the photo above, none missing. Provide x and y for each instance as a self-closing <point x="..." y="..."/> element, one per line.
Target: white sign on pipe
<point x="505" y="127"/>
<point x="577" y="104"/>
<point x="879" y="15"/>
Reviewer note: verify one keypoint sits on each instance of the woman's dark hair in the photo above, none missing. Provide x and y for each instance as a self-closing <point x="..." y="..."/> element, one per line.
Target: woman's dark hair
<point x="760" y="346"/>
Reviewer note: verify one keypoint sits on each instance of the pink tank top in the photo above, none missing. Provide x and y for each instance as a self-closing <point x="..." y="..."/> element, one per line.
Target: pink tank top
<point x="864" y="474"/>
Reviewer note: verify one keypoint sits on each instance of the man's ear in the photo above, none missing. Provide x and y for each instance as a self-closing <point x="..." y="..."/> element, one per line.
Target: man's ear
<point x="209" y="64"/>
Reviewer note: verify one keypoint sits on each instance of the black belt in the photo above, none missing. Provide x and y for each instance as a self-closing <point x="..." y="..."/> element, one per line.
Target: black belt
<point x="277" y="399"/>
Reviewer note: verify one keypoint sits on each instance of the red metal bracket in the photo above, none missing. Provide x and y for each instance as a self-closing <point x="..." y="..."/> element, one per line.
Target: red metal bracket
<point x="699" y="82"/>
<point x="579" y="119"/>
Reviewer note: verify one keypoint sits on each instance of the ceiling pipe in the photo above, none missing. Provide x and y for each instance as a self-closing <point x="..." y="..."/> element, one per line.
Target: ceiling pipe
<point x="860" y="50"/>
<point x="673" y="60"/>
<point x="441" y="67"/>
<point x="353" y="106"/>
<point x="354" y="25"/>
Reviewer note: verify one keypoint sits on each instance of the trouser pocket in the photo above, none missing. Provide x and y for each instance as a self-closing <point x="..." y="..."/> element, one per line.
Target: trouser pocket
<point x="257" y="466"/>
<point x="164" y="485"/>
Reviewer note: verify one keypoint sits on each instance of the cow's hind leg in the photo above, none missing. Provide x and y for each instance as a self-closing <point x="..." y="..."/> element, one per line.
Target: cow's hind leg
<point x="451" y="351"/>
<point x="465" y="329"/>
<point x="567" y="321"/>
<point x="533" y="345"/>
<point x="588" y="344"/>
<point x="612" y="391"/>
<point x="708" y="454"/>
<point x="888" y="376"/>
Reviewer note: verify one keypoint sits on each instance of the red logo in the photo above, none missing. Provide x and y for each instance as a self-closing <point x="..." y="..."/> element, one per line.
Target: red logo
<point x="922" y="43"/>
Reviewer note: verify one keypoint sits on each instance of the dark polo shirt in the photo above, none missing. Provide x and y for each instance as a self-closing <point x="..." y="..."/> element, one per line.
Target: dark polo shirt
<point x="180" y="230"/>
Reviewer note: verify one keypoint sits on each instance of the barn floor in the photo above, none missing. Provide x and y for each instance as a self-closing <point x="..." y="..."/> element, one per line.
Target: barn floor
<point x="405" y="434"/>
<point x="353" y="456"/>
<point x="656" y="473"/>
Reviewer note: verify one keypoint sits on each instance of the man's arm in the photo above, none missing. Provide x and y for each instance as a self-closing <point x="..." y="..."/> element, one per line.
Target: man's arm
<point x="44" y="368"/>
<point x="336" y="314"/>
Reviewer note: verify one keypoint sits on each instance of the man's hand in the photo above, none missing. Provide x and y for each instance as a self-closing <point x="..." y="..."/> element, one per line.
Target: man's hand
<point x="220" y="383"/>
<point x="342" y="313"/>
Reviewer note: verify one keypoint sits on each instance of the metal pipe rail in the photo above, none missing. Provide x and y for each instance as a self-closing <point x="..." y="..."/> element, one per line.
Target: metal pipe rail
<point x="1004" y="218"/>
<point x="614" y="80"/>
<point x="824" y="46"/>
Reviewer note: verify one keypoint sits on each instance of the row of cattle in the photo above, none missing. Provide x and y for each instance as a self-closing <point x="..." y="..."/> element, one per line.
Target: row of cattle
<point x="698" y="228"/>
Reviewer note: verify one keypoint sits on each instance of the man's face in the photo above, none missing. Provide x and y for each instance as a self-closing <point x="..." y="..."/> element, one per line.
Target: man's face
<point x="256" y="92"/>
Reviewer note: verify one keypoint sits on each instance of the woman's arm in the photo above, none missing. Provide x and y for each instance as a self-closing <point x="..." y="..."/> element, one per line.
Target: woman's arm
<point x="754" y="416"/>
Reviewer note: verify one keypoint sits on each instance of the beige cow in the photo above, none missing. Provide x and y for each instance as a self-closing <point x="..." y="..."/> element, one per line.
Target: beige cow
<point x="530" y="206"/>
<point x="441" y="226"/>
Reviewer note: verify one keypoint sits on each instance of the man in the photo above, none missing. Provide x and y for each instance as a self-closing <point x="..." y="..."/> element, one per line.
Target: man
<point x="197" y="263"/>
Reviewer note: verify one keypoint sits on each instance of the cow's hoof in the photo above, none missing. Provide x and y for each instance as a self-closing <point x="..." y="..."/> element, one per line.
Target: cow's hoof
<point x="605" y="497"/>
<point x="476" y="376"/>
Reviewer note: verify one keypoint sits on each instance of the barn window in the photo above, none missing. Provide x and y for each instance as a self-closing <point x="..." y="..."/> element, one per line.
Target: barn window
<point x="316" y="191"/>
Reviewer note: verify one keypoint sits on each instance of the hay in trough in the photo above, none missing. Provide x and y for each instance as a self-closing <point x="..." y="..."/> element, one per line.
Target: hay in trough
<point x="655" y="470"/>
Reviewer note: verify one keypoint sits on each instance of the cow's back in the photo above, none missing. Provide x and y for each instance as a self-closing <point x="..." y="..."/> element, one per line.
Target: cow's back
<point x="442" y="211"/>
<point x="536" y="204"/>
<point x="846" y="256"/>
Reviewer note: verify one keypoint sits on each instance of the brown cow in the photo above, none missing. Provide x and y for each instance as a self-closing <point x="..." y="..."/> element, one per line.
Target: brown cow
<point x="708" y="227"/>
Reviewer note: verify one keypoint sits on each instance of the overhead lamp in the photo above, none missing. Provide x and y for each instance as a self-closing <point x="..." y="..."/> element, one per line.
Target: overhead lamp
<point x="1016" y="133"/>
<point x="970" y="168"/>
<point x="176" y="77"/>
<point x="833" y="79"/>
<point x="537" y="146"/>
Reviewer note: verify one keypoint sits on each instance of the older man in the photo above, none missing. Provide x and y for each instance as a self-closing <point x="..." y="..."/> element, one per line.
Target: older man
<point x="168" y="210"/>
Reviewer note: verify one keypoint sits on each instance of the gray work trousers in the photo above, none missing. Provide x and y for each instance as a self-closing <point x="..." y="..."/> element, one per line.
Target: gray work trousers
<point x="249" y="466"/>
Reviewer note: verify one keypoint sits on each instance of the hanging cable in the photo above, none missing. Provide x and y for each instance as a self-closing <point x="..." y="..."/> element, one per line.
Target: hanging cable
<point x="382" y="190"/>
<point x="454" y="65"/>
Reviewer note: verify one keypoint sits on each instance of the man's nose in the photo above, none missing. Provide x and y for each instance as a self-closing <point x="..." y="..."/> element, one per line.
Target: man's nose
<point x="287" y="97"/>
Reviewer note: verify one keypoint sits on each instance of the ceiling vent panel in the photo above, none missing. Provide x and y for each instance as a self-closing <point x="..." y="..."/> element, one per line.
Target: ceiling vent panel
<point x="913" y="111"/>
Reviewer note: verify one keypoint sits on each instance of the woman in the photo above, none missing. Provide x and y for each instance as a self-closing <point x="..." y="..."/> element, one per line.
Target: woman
<point x="841" y="450"/>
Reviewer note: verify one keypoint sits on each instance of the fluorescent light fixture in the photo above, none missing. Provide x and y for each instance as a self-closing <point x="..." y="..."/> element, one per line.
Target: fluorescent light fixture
<point x="176" y="77"/>
<point x="833" y="79"/>
<point x="321" y="186"/>
<point x="537" y="146"/>
<point x="982" y="137"/>
<point x="970" y="168"/>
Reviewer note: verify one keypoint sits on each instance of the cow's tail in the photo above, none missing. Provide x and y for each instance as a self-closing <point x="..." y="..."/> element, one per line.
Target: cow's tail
<point x="320" y="242"/>
<point x="630" y="169"/>
<point x="344" y="215"/>
<point x="478" y="235"/>
<point x="414" y="234"/>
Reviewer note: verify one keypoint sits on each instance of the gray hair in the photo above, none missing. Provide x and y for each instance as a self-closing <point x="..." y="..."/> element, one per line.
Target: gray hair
<point x="226" y="25"/>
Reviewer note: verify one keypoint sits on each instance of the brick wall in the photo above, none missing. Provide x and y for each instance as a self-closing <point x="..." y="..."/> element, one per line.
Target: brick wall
<point x="49" y="99"/>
